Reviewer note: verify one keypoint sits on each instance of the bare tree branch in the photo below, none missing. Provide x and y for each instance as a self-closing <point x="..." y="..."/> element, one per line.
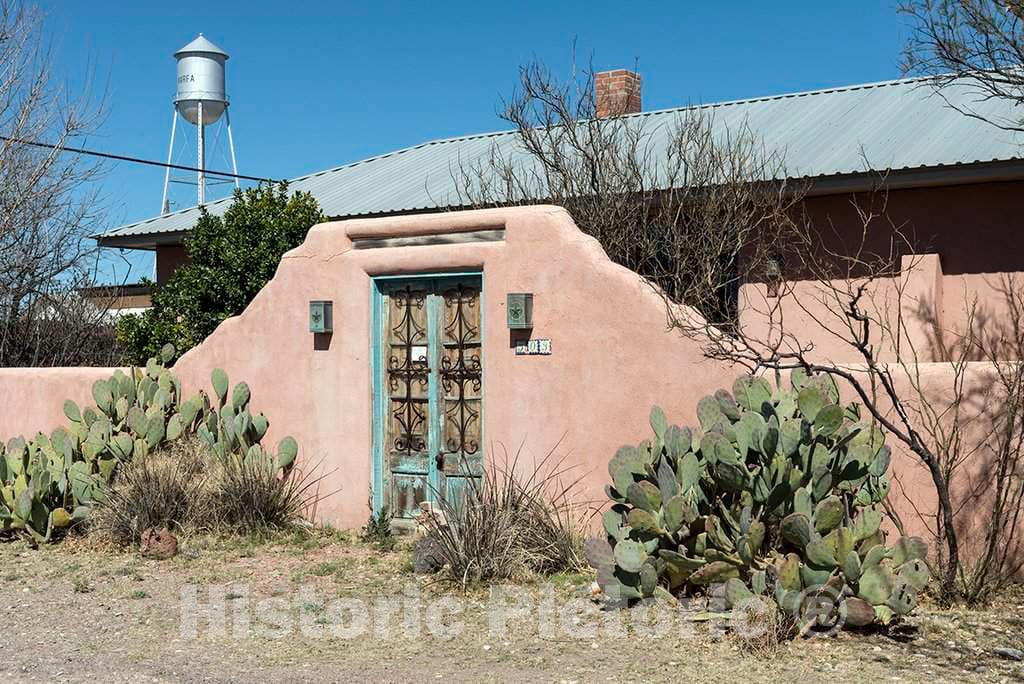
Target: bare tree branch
<point x="976" y="43"/>
<point x="690" y="205"/>
<point x="48" y="207"/>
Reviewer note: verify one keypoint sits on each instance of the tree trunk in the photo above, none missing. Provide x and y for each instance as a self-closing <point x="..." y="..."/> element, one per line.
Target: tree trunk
<point x="947" y="585"/>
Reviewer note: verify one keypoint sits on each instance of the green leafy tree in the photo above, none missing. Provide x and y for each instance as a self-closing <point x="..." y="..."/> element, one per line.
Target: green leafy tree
<point x="231" y="259"/>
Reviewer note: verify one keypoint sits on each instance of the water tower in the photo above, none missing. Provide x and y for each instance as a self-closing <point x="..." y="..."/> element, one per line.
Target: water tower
<point x="202" y="100"/>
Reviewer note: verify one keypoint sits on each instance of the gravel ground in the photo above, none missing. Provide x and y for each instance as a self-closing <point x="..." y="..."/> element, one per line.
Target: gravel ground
<point x="324" y="607"/>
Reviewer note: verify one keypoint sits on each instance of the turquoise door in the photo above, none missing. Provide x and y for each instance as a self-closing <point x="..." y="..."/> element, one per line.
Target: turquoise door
<point x="428" y="388"/>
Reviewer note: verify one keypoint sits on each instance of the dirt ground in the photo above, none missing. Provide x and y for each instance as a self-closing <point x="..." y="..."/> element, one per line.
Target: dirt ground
<point x="324" y="607"/>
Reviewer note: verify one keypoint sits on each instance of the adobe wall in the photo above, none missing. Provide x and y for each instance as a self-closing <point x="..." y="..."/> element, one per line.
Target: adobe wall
<point x="972" y="238"/>
<point x="904" y="319"/>
<point x="612" y="359"/>
<point x="931" y="309"/>
<point x="32" y="399"/>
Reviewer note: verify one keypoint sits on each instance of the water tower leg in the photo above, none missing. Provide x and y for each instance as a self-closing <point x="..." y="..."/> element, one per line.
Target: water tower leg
<point x="164" y="207"/>
<point x="231" y="146"/>
<point x="201" y="156"/>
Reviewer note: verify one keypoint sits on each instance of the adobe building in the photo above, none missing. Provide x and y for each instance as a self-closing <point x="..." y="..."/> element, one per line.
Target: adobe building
<point x="403" y="345"/>
<point x="951" y="181"/>
<point x="407" y="353"/>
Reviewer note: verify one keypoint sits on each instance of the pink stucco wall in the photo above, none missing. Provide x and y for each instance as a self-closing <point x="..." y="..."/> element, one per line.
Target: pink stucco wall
<point x="613" y="356"/>
<point x="906" y="309"/>
<point x="32" y="399"/>
<point x="930" y="307"/>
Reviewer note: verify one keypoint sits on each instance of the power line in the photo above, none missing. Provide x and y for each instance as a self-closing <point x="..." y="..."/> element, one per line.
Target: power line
<point x="134" y="160"/>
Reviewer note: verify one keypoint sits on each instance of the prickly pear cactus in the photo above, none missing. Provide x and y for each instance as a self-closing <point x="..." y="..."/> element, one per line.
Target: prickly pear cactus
<point x="230" y="428"/>
<point x="778" y="494"/>
<point x="52" y="481"/>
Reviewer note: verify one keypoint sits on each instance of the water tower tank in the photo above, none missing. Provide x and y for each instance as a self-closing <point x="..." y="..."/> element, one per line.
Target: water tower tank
<point x="201" y="79"/>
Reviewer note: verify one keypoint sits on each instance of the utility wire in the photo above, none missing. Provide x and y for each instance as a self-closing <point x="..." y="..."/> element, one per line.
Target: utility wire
<point x="134" y="160"/>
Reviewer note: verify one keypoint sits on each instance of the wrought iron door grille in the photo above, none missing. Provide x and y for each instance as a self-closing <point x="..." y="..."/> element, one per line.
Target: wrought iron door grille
<point x="461" y="368"/>
<point x="406" y="372"/>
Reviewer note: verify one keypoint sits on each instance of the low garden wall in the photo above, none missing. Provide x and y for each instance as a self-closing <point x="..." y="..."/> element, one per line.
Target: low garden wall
<point x="32" y="399"/>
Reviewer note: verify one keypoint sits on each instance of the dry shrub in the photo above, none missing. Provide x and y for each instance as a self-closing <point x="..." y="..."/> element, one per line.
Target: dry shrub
<point x="760" y="629"/>
<point x="169" y="488"/>
<point x="254" y="496"/>
<point x="512" y="524"/>
<point x="183" y="486"/>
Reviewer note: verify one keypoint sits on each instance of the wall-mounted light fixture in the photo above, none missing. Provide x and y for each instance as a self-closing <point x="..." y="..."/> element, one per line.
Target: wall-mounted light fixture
<point x="520" y="310"/>
<point x="321" y="316"/>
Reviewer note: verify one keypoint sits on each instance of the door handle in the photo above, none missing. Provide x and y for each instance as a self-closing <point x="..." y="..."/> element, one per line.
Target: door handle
<point x="440" y="461"/>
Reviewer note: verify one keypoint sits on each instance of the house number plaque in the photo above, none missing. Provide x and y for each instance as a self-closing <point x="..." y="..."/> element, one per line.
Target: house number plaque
<point x="533" y="348"/>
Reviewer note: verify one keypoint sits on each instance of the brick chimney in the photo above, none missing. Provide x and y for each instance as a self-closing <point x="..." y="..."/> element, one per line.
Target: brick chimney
<point x="617" y="92"/>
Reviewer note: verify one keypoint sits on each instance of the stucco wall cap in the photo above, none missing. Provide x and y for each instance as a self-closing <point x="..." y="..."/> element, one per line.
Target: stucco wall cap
<point x="333" y="238"/>
<point x="60" y="372"/>
<point x="444" y="222"/>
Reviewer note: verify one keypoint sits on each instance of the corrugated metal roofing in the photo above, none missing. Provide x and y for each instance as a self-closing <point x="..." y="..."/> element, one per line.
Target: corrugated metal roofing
<point x="892" y="125"/>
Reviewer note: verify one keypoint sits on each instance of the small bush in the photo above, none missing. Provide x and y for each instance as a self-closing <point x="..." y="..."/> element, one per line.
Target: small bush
<point x="83" y="586"/>
<point x="168" y="488"/>
<point x="253" y="495"/>
<point x="513" y="524"/>
<point x="759" y="629"/>
<point x="231" y="258"/>
<point x="377" y="530"/>
<point x="185" y="486"/>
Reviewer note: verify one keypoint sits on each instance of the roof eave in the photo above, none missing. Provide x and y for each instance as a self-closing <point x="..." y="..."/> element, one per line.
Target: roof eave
<point x="148" y="241"/>
<point x="923" y="177"/>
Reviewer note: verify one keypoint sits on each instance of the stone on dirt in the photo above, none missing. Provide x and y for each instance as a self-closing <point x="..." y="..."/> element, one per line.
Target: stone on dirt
<point x="426" y="556"/>
<point x="159" y="544"/>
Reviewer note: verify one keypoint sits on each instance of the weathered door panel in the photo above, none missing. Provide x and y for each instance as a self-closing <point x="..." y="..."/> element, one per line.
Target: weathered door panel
<point x="429" y="389"/>
<point x="461" y="387"/>
<point x="407" y="369"/>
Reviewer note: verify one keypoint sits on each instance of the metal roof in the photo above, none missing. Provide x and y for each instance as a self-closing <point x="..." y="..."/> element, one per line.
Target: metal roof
<point x="891" y="125"/>
<point x="201" y="44"/>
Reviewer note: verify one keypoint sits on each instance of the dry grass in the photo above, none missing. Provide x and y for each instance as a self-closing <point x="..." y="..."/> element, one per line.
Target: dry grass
<point x="185" y="488"/>
<point x="254" y="496"/>
<point x="760" y="629"/>
<point x="517" y="522"/>
<point x="169" y="488"/>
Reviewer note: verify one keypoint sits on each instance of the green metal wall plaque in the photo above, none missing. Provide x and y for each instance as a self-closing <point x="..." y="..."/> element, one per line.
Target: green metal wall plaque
<point x="520" y="310"/>
<point x="321" y="317"/>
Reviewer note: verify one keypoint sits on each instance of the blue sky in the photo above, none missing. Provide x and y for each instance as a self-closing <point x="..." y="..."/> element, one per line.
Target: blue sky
<point x="316" y="84"/>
